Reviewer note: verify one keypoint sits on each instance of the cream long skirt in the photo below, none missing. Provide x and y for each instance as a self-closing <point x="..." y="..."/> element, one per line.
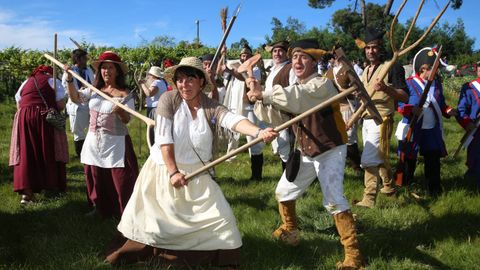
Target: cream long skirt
<point x="194" y="217"/>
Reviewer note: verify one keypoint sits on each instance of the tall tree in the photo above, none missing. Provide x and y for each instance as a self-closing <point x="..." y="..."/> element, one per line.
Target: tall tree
<point x="292" y="30"/>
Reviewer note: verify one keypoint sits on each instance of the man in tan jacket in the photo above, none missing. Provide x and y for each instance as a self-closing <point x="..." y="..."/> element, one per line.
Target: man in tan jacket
<point x="321" y="139"/>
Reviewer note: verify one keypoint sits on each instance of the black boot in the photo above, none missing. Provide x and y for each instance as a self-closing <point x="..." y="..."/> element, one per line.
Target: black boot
<point x="257" y="166"/>
<point x="78" y="147"/>
<point x="432" y="172"/>
<point x="284" y="165"/>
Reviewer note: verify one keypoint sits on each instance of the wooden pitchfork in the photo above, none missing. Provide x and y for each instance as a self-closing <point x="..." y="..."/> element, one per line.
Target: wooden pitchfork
<point x="247" y="66"/>
<point x="397" y="53"/>
<point x="150" y="123"/>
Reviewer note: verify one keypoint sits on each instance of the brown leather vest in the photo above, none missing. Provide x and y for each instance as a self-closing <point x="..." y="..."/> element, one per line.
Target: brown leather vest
<point x="321" y="131"/>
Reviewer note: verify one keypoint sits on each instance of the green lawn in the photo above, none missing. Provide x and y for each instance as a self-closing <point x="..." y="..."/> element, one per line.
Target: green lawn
<point x="400" y="233"/>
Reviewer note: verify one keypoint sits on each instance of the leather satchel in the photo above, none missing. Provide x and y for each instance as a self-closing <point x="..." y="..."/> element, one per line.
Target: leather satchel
<point x="53" y="117"/>
<point x="293" y="165"/>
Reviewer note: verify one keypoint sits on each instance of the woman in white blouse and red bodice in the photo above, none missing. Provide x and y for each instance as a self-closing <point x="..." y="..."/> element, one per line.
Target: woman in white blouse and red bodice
<point x="109" y="160"/>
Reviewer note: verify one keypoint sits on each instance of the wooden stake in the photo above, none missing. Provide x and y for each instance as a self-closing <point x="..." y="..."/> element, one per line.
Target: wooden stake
<point x="145" y="119"/>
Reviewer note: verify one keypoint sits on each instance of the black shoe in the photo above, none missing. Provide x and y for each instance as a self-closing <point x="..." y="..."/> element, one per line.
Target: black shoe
<point x="256" y="166"/>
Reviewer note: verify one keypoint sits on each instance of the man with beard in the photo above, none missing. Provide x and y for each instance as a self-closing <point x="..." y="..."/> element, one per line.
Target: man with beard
<point x="376" y="138"/>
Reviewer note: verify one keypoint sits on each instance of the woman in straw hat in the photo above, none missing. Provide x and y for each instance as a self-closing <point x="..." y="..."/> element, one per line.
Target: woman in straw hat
<point x="166" y="219"/>
<point x="110" y="163"/>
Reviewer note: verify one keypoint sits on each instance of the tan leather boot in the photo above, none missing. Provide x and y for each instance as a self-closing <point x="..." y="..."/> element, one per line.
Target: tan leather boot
<point x="288" y="232"/>
<point x="388" y="186"/>
<point x="370" y="192"/>
<point x="348" y="237"/>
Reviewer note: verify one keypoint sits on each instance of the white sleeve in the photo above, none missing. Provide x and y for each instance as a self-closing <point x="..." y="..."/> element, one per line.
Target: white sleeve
<point x="231" y="119"/>
<point x="19" y="92"/>
<point x="85" y="94"/>
<point x="60" y="92"/>
<point x="163" y="131"/>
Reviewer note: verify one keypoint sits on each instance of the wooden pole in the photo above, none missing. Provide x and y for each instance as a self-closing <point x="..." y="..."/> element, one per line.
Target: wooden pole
<point x="283" y="126"/>
<point x="55" y="67"/>
<point x="145" y="119"/>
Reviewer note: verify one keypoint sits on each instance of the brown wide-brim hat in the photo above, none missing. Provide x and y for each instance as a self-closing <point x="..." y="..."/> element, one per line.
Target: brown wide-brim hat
<point x="308" y="46"/>
<point x="110" y="57"/>
<point x="280" y="44"/>
<point x="193" y="62"/>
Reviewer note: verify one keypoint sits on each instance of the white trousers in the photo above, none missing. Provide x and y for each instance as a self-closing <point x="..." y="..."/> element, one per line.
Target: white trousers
<point x="352" y="132"/>
<point x="329" y="168"/>
<point x="79" y="120"/>
<point x="371" y="155"/>
<point x="281" y="145"/>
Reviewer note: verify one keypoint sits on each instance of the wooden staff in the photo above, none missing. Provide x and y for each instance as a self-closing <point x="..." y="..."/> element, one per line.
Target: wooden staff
<point x="77" y="44"/>
<point x="216" y="57"/>
<point x="283" y="126"/>
<point x="397" y="53"/>
<point x="467" y="136"/>
<point x="145" y="119"/>
<point x="55" y="67"/>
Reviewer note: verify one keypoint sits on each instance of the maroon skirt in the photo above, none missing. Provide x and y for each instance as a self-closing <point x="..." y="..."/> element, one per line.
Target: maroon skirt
<point x="37" y="168"/>
<point x="109" y="189"/>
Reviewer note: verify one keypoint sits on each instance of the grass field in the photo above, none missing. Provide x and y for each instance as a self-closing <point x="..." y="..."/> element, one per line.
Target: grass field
<point x="400" y="233"/>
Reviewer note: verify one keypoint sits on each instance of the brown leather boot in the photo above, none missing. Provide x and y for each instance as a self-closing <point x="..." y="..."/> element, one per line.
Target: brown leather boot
<point x="348" y="237"/>
<point x="288" y="232"/>
<point x="370" y="192"/>
<point x="388" y="186"/>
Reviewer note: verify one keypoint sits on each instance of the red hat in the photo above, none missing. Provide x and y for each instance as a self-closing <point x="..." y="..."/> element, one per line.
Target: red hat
<point x="109" y="56"/>
<point x="42" y="68"/>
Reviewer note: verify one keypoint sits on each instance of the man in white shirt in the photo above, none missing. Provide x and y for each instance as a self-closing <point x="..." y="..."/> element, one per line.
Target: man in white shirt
<point x="281" y="73"/>
<point x="78" y="113"/>
<point x="237" y="102"/>
<point x="153" y="87"/>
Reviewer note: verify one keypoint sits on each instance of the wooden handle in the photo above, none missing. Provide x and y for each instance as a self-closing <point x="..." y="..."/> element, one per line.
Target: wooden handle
<point x="283" y="126"/>
<point x="145" y="119"/>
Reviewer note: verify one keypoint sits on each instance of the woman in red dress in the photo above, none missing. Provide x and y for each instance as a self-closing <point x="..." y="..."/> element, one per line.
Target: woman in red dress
<point x="38" y="152"/>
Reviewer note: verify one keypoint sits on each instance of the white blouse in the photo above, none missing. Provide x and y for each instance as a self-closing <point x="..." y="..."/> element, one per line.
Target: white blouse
<point x="188" y="133"/>
<point x="102" y="149"/>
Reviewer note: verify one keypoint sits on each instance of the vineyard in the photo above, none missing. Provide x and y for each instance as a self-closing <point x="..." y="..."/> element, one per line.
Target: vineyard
<point x="16" y="63"/>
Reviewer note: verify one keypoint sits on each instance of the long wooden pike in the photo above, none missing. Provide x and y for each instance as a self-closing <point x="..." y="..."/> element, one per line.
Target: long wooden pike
<point x="216" y="57"/>
<point x="54" y="67"/>
<point x="145" y="119"/>
<point x="466" y="139"/>
<point x="77" y="44"/>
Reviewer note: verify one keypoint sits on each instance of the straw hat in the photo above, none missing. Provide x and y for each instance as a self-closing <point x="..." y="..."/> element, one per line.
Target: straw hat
<point x="156" y="71"/>
<point x="193" y="62"/>
<point x="110" y="57"/>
